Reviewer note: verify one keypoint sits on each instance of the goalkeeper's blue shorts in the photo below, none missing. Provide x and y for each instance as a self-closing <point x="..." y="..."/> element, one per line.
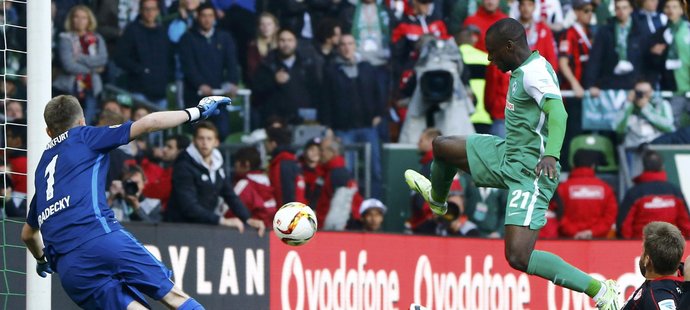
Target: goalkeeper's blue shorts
<point x="111" y="271"/>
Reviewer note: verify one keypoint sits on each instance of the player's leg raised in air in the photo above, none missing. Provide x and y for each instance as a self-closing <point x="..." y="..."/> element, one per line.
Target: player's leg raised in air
<point x="482" y="156"/>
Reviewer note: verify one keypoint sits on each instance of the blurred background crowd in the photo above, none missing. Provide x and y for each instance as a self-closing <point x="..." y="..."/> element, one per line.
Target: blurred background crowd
<point x="319" y="86"/>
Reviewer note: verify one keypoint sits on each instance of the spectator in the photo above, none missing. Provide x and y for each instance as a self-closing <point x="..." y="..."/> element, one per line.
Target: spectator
<point x="351" y="89"/>
<point x="111" y="105"/>
<point x="83" y="56"/>
<point x="487" y="14"/>
<point x="539" y="35"/>
<point x="409" y="30"/>
<point x="370" y="26"/>
<point x="339" y="200"/>
<point x="616" y="56"/>
<point x="497" y="82"/>
<point x="129" y="203"/>
<point x="14" y="110"/>
<point x="143" y="52"/>
<point x="652" y="198"/>
<point x="671" y="57"/>
<point x="12" y="205"/>
<point x="209" y="63"/>
<point x="118" y="156"/>
<point x="159" y="174"/>
<point x="310" y="161"/>
<point x="238" y="17"/>
<point x="252" y="185"/>
<point x="574" y="47"/>
<point x="549" y="12"/>
<point x="645" y="117"/>
<point x="485" y="207"/>
<point x="140" y="112"/>
<point x="114" y="15"/>
<point x="182" y="19"/>
<point x="287" y="82"/>
<point x="302" y="17"/>
<point x="265" y="42"/>
<point x="649" y="17"/>
<point x="283" y="170"/>
<point x="371" y="215"/>
<point x="589" y="204"/>
<point x="326" y="40"/>
<point x="16" y="155"/>
<point x="199" y="182"/>
<point x="463" y="8"/>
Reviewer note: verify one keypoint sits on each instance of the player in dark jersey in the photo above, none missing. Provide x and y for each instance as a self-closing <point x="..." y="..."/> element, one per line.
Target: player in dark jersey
<point x="664" y="288"/>
<point x="101" y="265"/>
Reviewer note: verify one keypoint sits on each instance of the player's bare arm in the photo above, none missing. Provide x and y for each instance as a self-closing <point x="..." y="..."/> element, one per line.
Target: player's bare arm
<point x="557" y="117"/>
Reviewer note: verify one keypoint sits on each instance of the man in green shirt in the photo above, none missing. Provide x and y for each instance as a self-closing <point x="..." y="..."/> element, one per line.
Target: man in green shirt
<point x="525" y="163"/>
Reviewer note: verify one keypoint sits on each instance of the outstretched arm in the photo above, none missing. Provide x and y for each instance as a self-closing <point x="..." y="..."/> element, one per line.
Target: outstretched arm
<point x="557" y="117"/>
<point x="168" y="119"/>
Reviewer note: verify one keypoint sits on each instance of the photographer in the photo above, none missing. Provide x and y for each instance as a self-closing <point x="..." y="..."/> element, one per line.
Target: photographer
<point x="660" y="264"/>
<point x="645" y="117"/>
<point x="126" y="199"/>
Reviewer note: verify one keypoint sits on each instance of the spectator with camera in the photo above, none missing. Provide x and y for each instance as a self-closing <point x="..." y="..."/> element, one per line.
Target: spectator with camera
<point x="144" y="53"/>
<point x="159" y="170"/>
<point x="127" y="201"/>
<point x="199" y="181"/>
<point x="253" y="186"/>
<point x="209" y="62"/>
<point x="645" y="117"/>
<point x="670" y="51"/>
<point x="652" y="198"/>
<point x="351" y="89"/>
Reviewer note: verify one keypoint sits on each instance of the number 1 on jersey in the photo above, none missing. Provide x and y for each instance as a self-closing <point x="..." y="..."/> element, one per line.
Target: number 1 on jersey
<point x="50" y="174"/>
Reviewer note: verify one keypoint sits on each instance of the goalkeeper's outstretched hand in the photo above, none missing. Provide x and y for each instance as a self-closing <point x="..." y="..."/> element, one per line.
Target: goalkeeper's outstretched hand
<point x="207" y="107"/>
<point x="43" y="267"/>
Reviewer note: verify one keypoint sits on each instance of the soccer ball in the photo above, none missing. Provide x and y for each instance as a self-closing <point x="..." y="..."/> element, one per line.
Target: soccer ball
<point x="294" y="223"/>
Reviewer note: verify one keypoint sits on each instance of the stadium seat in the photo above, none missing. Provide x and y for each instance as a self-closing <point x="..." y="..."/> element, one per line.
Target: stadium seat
<point x="595" y="142"/>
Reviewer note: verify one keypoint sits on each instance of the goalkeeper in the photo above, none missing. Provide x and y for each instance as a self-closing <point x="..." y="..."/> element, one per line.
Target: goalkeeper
<point x="101" y="265"/>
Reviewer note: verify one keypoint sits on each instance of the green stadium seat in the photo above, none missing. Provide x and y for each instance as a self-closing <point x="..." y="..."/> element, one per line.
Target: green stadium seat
<point x="595" y="142"/>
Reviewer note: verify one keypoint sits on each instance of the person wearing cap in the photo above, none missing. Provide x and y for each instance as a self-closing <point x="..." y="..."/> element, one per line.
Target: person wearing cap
<point x="589" y="204"/>
<point x="574" y="47"/>
<point x="539" y="35"/>
<point x="371" y="216"/>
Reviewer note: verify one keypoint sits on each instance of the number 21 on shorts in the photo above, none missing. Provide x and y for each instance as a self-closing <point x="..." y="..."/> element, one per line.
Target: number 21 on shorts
<point x="519" y="197"/>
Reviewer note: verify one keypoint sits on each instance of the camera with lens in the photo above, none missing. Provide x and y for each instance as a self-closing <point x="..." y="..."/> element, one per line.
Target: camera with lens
<point x="131" y="188"/>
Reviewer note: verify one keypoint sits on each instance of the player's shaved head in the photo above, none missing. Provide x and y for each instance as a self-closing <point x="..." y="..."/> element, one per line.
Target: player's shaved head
<point x="506" y="44"/>
<point x="507" y="29"/>
<point x="61" y="114"/>
<point x="664" y="244"/>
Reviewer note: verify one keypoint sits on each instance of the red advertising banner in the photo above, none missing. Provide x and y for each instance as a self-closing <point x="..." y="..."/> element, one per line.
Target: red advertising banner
<point x="378" y="271"/>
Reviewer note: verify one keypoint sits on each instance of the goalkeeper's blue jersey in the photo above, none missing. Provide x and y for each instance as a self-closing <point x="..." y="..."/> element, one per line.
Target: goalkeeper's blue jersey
<point x="70" y="206"/>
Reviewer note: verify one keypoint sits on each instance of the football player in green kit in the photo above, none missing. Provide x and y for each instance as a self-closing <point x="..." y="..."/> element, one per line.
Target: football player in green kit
<point x="525" y="162"/>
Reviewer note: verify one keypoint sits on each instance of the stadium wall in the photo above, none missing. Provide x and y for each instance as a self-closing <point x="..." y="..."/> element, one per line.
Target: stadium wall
<point x="227" y="270"/>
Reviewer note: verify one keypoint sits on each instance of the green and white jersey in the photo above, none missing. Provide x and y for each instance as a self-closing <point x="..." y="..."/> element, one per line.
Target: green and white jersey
<point x="526" y="131"/>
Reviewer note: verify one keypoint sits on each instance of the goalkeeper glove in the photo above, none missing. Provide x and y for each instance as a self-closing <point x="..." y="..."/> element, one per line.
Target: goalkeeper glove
<point x="208" y="106"/>
<point x="42" y="267"/>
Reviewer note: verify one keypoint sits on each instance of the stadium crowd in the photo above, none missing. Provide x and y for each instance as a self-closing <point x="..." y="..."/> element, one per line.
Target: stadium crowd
<point x="359" y="71"/>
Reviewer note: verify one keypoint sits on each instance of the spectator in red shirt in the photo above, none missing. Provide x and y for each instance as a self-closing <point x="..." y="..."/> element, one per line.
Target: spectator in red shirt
<point x="574" y="46"/>
<point x="589" y="204"/>
<point x="339" y="200"/>
<point x="283" y="170"/>
<point x="310" y="161"/>
<point x="159" y="175"/>
<point x="497" y="82"/>
<point x="539" y="35"/>
<point x="252" y="185"/>
<point x="653" y="198"/>
<point x="16" y="155"/>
